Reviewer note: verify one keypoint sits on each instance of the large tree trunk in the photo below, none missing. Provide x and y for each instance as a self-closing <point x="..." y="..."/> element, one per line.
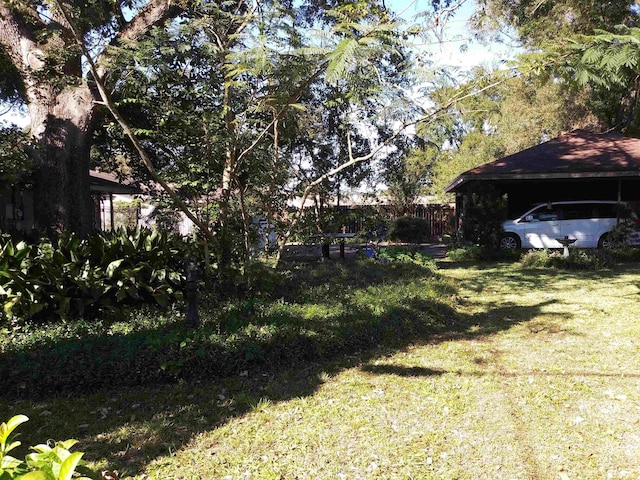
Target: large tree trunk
<point x="60" y="101"/>
<point x="62" y="125"/>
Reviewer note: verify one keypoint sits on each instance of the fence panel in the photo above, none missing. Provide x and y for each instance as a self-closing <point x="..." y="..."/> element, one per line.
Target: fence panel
<point x="356" y="219"/>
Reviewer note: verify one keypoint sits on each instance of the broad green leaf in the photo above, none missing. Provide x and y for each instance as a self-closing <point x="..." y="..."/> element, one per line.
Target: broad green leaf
<point x="9" y="463"/>
<point x="69" y="466"/>
<point x="11" y="446"/>
<point x="37" y="475"/>
<point x="68" y="444"/>
<point x="10" y="426"/>
<point x="113" y="266"/>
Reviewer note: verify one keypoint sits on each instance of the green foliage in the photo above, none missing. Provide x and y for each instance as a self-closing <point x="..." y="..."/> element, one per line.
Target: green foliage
<point x="410" y="230"/>
<point x="624" y="254"/>
<point x="74" y="276"/>
<point x="535" y="259"/>
<point x="484" y="213"/>
<point x="320" y="311"/>
<point x="515" y="114"/>
<point x="403" y="254"/>
<point x="577" y="260"/>
<point x="478" y="253"/>
<point x="46" y="462"/>
<point x="542" y="22"/>
<point x="14" y="162"/>
<point x="470" y="253"/>
<point x="619" y="236"/>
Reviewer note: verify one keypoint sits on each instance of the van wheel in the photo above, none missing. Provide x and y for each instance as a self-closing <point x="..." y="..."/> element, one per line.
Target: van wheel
<point x="509" y="241"/>
<point x="605" y="242"/>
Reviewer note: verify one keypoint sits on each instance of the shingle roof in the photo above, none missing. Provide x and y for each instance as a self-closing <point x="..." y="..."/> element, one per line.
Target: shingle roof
<point x="577" y="154"/>
<point x="110" y="183"/>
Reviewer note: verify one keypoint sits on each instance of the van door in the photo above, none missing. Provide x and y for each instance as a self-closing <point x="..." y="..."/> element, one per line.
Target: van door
<point x="543" y="227"/>
<point x="588" y="222"/>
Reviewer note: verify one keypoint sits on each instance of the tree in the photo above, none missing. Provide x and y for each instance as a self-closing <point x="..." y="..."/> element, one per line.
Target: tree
<point x="239" y="106"/>
<point x="563" y="37"/>
<point x="406" y="172"/>
<point x="42" y="64"/>
<point x="608" y="65"/>
<point x="539" y="22"/>
<point x="516" y="113"/>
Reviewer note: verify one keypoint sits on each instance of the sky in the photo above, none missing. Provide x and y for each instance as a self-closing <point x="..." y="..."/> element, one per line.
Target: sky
<point x="456" y="46"/>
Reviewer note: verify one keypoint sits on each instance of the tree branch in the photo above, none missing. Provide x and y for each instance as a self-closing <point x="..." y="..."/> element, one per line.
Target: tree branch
<point x="16" y="38"/>
<point x="355" y="160"/>
<point x="152" y="14"/>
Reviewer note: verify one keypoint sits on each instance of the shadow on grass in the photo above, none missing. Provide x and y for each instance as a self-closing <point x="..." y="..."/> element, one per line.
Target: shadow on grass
<point x="385" y="308"/>
<point x="402" y="371"/>
<point x="492" y="275"/>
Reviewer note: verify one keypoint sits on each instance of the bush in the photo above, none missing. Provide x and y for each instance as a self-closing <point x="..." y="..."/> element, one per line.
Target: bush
<point x="624" y="253"/>
<point x="47" y="462"/>
<point x="402" y="254"/>
<point x="484" y="214"/>
<point x="477" y="253"/>
<point x="577" y="260"/>
<point x="410" y="230"/>
<point x="77" y="277"/>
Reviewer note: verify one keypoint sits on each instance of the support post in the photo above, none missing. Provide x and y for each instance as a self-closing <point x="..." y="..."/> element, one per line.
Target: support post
<point x="325" y="249"/>
<point x="113" y="224"/>
<point x="191" y="292"/>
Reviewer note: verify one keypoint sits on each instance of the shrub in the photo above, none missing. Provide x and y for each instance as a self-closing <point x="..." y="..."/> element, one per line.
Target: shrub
<point x="410" y="230"/>
<point x="477" y="253"/>
<point x="577" y="260"/>
<point x="484" y="214"/>
<point x="624" y="253"/>
<point x="74" y="276"/>
<point x="536" y="259"/>
<point x="402" y="254"/>
<point x="45" y="463"/>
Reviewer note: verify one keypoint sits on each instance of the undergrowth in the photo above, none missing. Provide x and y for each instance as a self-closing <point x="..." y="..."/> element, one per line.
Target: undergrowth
<point x="313" y="311"/>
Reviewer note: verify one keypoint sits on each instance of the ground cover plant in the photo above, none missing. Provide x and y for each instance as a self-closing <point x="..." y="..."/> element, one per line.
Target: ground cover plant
<point x="523" y="373"/>
<point x="304" y="314"/>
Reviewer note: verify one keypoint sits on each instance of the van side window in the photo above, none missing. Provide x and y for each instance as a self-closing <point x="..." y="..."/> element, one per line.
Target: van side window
<point x="601" y="210"/>
<point x="582" y="211"/>
<point x="544" y="214"/>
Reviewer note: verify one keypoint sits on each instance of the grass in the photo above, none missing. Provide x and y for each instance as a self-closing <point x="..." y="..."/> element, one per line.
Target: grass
<point x="526" y="373"/>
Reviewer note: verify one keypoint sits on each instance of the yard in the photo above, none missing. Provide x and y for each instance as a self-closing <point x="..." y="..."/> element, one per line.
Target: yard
<point x="525" y="374"/>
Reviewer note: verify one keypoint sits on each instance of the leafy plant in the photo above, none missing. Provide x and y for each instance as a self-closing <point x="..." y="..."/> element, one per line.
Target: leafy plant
<point x="402" y="254"/>
<point x="46" y="462"/>
<point x="75" y="276"/>
<point x="410" y="230"/>
<point x="483" y="217"/>
<point x="577" y="260"/>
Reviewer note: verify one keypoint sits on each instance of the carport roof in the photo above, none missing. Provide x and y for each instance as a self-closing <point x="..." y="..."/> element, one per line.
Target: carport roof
<point x="577" y="154"/>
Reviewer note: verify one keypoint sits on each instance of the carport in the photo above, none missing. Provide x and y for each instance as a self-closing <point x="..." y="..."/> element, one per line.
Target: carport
<point x="579" y="165"/>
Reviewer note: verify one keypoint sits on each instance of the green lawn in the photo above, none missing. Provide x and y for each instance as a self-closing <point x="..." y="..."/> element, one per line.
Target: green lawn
<point x="534" y="374"/>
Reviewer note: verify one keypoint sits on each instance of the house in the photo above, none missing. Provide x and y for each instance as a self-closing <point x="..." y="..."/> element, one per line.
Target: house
<point x="578" y="165"/>
<point x="16" y="203"/>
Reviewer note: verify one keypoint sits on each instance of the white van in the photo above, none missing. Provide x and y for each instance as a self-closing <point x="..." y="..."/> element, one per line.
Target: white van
<point x="588" y="222"/>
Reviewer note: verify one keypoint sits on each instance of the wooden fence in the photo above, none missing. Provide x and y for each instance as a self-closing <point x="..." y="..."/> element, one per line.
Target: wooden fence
<point x="356" y="219"/>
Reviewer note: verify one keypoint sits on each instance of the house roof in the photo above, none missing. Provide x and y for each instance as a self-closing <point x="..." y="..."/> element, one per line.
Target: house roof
<point x="110" y="183"/>
<point x="577" y="154"/>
